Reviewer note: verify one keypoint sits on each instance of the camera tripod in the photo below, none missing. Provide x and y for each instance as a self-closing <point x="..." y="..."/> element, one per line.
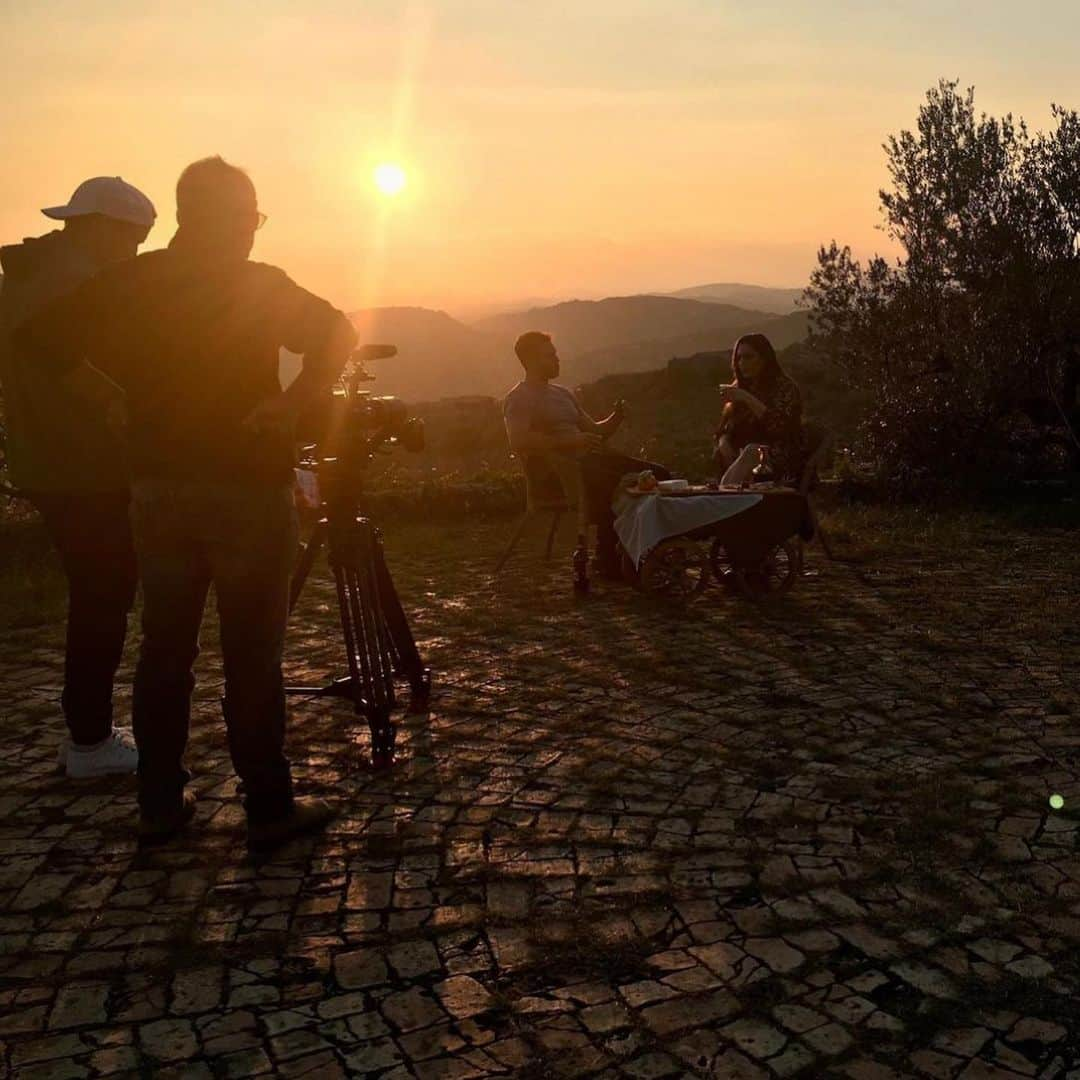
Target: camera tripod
<point x="379" y="645"/>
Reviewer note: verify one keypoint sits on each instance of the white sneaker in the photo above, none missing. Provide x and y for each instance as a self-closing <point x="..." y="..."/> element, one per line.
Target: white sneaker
<point x="117" y="754"/>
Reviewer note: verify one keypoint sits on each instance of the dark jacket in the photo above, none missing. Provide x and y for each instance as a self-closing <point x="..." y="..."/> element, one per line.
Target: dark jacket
<point x="779" y="427"/>
<point x="194" y="341"/>
<point x="54" y="443"/>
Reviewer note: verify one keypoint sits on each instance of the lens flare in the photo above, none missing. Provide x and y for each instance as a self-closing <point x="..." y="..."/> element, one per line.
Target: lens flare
<point x="389" y="178"/>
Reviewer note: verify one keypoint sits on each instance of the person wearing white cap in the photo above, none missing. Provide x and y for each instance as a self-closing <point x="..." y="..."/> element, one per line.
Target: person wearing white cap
<point x="192" y="334"/>
<point x="110" y="199"/>
<point x="69" y="462"/>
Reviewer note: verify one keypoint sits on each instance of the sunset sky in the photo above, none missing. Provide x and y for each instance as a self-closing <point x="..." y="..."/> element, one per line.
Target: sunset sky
<point x="549" y="149"/>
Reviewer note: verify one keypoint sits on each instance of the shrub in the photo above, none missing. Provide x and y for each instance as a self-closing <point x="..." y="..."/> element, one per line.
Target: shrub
<point x="969" y="344"/>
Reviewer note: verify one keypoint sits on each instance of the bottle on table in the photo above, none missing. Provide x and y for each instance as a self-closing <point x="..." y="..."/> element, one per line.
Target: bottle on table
<point x="763" y="472"/>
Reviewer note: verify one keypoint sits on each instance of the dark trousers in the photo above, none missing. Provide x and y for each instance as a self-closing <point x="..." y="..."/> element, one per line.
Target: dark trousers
<point x="602" y="471"/>
<point x="242" y="539"/>
<point x="92" y="533"/>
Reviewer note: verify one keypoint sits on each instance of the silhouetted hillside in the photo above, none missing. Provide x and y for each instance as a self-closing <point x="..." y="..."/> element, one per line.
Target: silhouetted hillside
<point x="437" y="355"/>
<point x="583" y="326"/>
<point x="672" y="414"/>
<point x="783" y="330"/>
<point x="754" y="297"/>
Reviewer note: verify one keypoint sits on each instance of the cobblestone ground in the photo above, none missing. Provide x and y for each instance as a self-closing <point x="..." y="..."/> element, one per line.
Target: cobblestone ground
<point x="811" y="840"/>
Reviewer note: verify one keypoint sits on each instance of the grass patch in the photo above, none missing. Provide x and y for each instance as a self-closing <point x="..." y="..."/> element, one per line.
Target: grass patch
<point x="868" y="532"/>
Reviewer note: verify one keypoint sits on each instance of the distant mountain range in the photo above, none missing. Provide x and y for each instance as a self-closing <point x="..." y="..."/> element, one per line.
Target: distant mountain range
<point x="754" y="297"/>
<point x="439" y="356"/>
<point x="580" y="326"/>
<point x="626" y="359"/>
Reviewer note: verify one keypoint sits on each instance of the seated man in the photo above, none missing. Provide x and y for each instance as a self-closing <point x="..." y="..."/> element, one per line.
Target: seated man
<point x="543" y="417"/>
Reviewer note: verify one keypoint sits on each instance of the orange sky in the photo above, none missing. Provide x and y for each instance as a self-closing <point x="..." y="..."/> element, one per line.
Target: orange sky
<point x="552" y="149"/>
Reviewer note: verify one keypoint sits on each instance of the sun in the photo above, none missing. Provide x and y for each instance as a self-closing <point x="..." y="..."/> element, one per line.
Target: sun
<point x="389" y="178"/>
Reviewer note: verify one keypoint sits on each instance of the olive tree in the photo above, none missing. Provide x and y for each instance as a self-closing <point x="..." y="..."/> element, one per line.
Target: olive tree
<point x="969" y="343"/>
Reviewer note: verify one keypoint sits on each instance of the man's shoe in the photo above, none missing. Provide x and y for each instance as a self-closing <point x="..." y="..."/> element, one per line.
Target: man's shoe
<point x="110" y="757"/>
<point x="157" y="828"/>
<point x="307" y="815"/>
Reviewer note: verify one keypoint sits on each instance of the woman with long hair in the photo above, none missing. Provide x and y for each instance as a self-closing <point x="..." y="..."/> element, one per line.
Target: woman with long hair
<point x="761" y="405"/>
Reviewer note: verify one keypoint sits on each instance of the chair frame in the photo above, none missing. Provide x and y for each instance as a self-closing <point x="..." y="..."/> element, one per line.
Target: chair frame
<point x="519" y="531"/>
<point x="809" y="472"/>
<point x="563" y="469"/>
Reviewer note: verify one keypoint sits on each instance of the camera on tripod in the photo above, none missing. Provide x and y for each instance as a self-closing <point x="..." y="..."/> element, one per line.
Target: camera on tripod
<point x="345" y="433"/>
<point x="344" y="436"/>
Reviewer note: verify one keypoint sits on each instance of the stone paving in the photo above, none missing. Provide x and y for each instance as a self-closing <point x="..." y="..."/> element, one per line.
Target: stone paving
<point x="808" y="840"/>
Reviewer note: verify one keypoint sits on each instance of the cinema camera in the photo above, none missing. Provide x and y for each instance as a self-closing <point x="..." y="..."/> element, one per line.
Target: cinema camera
<point x="354" y="425"/>
<point x="344" y="437"/>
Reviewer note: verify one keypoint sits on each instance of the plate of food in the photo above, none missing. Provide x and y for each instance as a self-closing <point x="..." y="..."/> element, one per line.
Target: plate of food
<point x="645" y="483"/>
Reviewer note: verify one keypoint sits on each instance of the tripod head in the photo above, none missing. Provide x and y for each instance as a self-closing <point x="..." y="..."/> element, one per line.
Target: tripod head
<point x="355" y="370"/>
<point x="354" y="425"/>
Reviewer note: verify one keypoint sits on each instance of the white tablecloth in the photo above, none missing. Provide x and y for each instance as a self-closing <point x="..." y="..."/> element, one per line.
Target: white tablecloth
<point x="642" y="521"/>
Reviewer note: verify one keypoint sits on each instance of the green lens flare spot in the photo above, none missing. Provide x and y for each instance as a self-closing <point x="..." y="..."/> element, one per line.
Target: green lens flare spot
<point x="1056" y="802"/>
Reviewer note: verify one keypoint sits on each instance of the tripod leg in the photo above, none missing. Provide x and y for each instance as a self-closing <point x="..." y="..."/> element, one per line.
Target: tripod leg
<point x="377" y="660"/>
<point x="346" y="592"/>
<point x="378" y="641"/>
<point x="406" y="656"/>
<point x="359" y="662"/>
<point x="308" y="553"/>
<point x="353" y="686"/>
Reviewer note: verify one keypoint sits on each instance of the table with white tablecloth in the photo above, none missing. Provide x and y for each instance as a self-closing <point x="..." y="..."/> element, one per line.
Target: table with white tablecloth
<point x="749" y="523"/>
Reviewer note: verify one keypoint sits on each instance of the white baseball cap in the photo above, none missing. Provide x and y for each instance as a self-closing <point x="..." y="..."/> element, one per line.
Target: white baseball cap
<point x="109" y="196"/>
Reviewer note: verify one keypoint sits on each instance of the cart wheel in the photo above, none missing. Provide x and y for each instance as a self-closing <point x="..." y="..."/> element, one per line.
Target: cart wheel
<point x="773" y="576"/>
<point x="675" y="569"/>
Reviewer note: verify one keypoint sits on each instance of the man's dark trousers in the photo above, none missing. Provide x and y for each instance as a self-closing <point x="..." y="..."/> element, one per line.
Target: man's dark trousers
<point x="242" y="539"/>
<point x="92" y="533"/>
<point x="601" y="472"/>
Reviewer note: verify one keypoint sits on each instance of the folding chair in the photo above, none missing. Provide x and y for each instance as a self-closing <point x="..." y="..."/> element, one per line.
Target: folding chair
<point x="553" y="485"/>
<point x="819" y="441"/>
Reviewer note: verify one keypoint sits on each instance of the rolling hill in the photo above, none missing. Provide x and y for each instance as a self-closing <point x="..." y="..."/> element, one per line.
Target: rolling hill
<point x="755" y="297"/>
<point x="638" y="356"/>
<point x="581" y="326"/>
<point x="673" y="411"/>
<point x="439" y="356"/>
<point x="626" y="334"/>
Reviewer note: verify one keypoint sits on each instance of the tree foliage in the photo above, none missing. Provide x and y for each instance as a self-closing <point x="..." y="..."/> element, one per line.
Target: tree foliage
<point x="970" y="341"/>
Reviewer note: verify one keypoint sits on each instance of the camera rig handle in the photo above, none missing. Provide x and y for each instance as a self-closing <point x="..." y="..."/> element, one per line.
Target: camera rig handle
<point x="356" y="369"/>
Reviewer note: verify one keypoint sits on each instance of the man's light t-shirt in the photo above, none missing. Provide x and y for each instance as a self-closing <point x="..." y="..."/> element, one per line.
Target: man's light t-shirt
<point x="546" y="408"/>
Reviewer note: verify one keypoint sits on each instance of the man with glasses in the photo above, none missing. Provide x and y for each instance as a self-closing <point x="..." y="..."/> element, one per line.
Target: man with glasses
<point x="191" y="336"/>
